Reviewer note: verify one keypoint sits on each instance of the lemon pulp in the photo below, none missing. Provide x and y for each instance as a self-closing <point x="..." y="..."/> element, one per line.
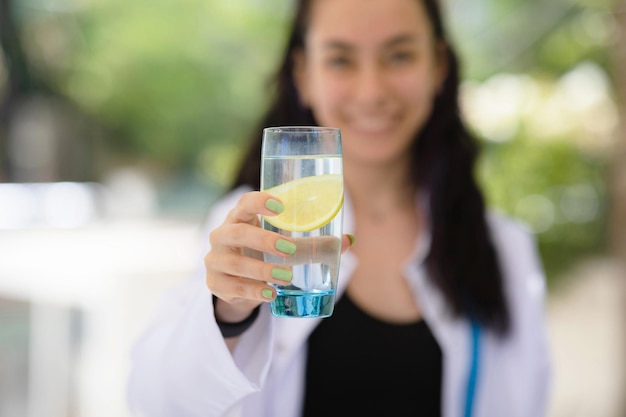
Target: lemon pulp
<point x="310" y="202"/>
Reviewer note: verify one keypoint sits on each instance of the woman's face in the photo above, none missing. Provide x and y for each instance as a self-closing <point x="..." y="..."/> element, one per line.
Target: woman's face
<point x="371" y="68"/>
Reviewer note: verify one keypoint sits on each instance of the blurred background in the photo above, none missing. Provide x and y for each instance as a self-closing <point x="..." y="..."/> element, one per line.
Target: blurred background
<point x="122" y="121"/>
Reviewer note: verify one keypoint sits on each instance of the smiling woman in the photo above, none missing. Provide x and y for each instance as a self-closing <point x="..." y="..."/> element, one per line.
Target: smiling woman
<point x="374" y="75"/>
<point x="437" y="292"/>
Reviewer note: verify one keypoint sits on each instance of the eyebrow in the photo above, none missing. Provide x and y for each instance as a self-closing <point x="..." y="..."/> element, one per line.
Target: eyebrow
<point x="396" y="40"/>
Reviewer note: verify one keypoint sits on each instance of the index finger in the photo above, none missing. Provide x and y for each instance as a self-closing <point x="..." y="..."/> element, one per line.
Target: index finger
<point x="252" y="204"/>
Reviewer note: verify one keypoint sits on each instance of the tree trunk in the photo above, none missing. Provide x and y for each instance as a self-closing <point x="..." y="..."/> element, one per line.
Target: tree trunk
<point x="617" y="220"/>
<point x="18" y="83"/>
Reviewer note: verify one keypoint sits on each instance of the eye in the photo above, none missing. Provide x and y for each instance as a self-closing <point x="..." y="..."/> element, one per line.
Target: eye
<point x="402" y="57"/>
<point x="338" y="62"/>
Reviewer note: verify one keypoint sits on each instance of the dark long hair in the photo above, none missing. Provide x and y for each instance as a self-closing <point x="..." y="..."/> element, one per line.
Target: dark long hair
<point x="462" y="261"/>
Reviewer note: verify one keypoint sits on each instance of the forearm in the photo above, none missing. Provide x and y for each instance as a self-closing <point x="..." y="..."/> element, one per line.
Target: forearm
<point x="181" y="357"/>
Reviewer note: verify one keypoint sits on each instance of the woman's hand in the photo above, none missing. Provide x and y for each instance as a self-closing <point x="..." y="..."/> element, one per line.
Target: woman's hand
<point x="235" y="270"/>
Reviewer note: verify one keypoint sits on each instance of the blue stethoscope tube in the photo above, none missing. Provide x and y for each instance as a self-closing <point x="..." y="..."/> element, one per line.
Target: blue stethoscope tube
<point x="473" y="372"/>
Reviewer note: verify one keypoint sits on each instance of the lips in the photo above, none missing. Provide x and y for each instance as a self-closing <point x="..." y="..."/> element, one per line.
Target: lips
<point x="372" y="126"/>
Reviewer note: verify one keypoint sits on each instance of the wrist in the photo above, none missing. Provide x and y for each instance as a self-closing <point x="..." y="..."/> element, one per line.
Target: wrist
<point x="234" y="329"/>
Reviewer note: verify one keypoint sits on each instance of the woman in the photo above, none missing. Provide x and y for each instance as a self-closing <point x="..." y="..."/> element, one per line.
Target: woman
<point x="440" y="304"/>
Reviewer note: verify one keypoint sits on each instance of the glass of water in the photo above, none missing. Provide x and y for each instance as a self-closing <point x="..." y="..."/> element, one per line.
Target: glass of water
<point x="303" y="167"/>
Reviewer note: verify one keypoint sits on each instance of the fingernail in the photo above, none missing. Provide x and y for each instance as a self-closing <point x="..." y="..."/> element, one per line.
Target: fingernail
<point x="352" y="239"/>
<point x="282" y="274"/>
<point x="274" y="205"/>
<point x="267" y="293"/>
<point x="285" y="246"/>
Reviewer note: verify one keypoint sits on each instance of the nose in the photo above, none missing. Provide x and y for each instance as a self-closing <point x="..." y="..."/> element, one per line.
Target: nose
<point x="371" y="86"/>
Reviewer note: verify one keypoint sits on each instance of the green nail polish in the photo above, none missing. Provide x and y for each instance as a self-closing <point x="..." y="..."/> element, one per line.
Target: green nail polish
<point x="281" y="274"/>
<point x="274" y="206"/>
<point x="352" y="239"/>
<point x="285" y="246"/>
<point x="267" y="293"/>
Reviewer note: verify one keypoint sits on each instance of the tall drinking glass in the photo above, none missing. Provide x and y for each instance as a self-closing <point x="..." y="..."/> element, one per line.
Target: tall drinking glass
<point x="303" y="167"/>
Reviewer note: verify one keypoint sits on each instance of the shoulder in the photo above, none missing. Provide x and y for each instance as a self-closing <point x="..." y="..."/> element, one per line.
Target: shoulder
<point x="520" y="260"/>
<point x="503" y="226"/>
<point x="514" y="240"/>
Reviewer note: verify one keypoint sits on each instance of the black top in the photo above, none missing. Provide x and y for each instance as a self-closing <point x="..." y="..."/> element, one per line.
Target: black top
<point x="360" y="366"/>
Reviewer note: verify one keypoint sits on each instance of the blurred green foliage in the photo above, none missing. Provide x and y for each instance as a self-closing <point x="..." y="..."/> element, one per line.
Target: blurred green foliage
<point x="556" y="190"/>
<point x="535" y="36"/>
<point x="168" y="79"/>
<point x="177" y="86"/>
<point x="553" y="184"/>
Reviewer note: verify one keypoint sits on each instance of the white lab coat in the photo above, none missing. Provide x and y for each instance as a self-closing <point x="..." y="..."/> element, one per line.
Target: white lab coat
<point x="182" y="368"/>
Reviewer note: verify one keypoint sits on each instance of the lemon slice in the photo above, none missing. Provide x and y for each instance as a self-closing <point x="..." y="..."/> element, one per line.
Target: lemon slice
<point x="310" y="202"/>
